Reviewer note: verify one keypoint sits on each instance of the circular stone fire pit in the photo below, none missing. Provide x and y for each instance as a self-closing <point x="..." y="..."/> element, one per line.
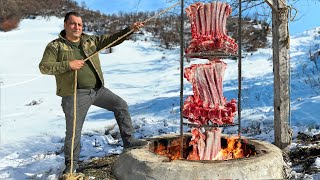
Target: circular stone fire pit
<point x="142" y="163"/>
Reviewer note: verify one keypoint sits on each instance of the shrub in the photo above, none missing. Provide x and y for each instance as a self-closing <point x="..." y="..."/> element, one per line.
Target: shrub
<point x="9" y="23"/>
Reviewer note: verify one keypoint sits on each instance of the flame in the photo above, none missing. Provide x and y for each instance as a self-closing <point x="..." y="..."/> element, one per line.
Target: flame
<point x="172" y="151"/>
<point x="160" y="149"/>
<point x="235" y="149"/>
<point x="232" y="151"/>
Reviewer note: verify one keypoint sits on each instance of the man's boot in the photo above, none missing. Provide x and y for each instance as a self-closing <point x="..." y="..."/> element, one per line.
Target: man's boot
<point x="132" y="142"/>
<point x="68" y="167"/>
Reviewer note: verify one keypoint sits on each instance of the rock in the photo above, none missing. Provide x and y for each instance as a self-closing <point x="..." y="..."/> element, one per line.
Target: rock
<point x="34" y="102"/>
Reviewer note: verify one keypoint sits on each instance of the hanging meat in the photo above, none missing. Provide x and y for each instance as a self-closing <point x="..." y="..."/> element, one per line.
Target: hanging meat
<point x="205" y="146"/>
<point x="208" y="28"/>
<point x="207" y="105"/>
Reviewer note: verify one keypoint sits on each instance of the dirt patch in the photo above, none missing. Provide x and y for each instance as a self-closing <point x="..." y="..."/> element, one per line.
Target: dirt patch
<point x="99" y="168"/>
<point x="304" y="155"/>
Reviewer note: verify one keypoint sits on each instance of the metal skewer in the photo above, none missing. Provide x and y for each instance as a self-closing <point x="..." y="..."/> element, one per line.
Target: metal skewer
<point x="181" y="77"/>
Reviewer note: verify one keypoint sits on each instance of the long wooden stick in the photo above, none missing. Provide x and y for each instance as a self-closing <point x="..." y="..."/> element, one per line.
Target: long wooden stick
<point x="131" y="31"/>
<point x="109" y="45"/>
<point x="162" y="12"/>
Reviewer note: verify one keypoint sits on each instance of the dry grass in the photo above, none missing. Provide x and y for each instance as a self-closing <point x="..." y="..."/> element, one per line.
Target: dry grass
<point x="100" y="168"/>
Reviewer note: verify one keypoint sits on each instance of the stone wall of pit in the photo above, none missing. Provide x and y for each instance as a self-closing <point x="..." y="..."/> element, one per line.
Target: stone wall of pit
<point x="141" y="164"/>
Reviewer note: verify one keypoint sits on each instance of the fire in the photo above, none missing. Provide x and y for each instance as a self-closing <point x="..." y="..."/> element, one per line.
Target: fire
<point x="172" y="151"/>
<point x="232" y="151"/>
<point x="160" y="149"/>
<point x="233" y="148"/>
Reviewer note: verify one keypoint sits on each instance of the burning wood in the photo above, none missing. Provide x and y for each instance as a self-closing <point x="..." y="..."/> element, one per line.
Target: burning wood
<point x="171" y="149"/>
<point x="201" y="147"/>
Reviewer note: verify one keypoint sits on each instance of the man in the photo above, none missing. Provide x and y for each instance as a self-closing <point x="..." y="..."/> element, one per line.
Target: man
<point x="64" y="55"/>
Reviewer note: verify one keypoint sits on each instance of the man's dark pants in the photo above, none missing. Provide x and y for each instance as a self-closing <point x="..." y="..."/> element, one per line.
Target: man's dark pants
<point x="101" y="97"/>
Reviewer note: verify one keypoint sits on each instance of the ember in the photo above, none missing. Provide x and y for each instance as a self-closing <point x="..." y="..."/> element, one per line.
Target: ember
<point x="231" y="148"/>
<point x="171" y="150"/>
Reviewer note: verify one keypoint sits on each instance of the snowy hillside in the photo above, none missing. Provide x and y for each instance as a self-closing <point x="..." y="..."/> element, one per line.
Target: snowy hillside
<point x="147" y="77"/>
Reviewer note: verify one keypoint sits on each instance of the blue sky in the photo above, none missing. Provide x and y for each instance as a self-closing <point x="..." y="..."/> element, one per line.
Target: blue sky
<point x="307" y="18"/>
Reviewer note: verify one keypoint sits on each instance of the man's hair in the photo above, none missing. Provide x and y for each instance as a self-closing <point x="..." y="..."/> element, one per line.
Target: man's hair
<point x="66" y="17"/>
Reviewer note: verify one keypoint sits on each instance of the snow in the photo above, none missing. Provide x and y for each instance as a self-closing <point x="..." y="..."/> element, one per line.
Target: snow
<point x="148" y="78"/>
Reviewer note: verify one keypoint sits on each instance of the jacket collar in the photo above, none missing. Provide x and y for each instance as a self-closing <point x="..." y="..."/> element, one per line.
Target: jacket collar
<point x="62" y="35"/>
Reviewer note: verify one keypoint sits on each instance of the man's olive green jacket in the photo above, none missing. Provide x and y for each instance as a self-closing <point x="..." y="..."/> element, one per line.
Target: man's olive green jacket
<point x="59" y="52"/>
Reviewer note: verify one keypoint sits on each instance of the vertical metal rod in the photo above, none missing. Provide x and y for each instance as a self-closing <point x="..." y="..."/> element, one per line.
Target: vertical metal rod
<point x="0" y="112"/>
<point x="239" y="68"/>
<point x="181" y="77"/>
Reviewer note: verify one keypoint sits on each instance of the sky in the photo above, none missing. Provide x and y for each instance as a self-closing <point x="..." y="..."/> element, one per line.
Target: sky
<point x="306" y="18"/>
<point x="148" y="78"/>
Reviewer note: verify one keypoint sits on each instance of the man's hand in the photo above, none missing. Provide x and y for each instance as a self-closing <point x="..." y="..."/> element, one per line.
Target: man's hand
<point x="137" y="25"/>
<point x="76" y="64"/>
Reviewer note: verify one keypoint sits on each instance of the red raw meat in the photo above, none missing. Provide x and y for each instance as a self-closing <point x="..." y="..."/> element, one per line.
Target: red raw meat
<point x="214" y="143"/>
<point x="205" y="147"/>
<point x="198" y="145"/>
<point x="207" y="104"/>
<point x="208" y="28"/>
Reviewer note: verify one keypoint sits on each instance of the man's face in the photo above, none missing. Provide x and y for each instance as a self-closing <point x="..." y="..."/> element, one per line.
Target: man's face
<point x="73" y="28"/>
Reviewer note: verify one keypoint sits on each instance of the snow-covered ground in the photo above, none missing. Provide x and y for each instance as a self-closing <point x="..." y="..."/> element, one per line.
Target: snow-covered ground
<point x="148" y="78"/>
